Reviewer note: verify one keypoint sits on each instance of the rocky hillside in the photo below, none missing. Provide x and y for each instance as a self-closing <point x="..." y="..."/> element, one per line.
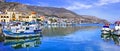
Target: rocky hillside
<point x="49" y="11"/>
<point x="94" y="19"/>
<point x="2" y="0"/>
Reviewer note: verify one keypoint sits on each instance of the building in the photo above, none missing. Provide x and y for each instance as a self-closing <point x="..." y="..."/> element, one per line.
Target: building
<point x="42" y="18"/>
<point x="8" y="16"/>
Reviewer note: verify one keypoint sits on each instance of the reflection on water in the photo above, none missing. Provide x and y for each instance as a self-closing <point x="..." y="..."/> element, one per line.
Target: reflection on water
<point x="47" y="31"/>
<point x="111" y="37"/>
<point x="70" y="38"/>
<point x="62" y="31"/>
<point x="22" y="43"/>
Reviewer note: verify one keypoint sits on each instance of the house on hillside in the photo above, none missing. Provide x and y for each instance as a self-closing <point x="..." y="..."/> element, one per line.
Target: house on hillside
<point x="8" y="16"/>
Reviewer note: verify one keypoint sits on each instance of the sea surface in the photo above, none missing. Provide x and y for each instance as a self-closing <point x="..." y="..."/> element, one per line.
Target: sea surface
<point x="85" y="37"/>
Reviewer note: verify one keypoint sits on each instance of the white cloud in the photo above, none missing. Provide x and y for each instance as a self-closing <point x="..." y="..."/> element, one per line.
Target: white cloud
<point x="77" y="5"/>
<point x="106" y="2"/>
<point x="42" y="4"/>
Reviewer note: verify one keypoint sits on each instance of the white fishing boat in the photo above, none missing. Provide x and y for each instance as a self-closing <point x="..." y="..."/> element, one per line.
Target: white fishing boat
<point x="106" y="29"/>
<point x="117" y="28"/>
<point x="21" y="30"/>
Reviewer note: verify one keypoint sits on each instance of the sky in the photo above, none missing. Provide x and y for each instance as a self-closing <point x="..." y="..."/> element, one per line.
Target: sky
<point x="105" y="9"/>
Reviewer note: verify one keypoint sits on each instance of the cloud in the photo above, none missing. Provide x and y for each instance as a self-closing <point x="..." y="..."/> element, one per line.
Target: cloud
<point x="42" y="4"/>
<point x="106" y="2"/>
<point x="38" y="4"/>
<point x="77" y="5"/>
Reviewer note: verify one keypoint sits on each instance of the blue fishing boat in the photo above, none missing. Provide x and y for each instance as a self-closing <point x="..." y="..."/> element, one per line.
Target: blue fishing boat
<point x="22" y="30"/>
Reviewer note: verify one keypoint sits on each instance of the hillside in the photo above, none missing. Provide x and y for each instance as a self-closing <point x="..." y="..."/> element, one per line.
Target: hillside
<point x="49" y="11"/>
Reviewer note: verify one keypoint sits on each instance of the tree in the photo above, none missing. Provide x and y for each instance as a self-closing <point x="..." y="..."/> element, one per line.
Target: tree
<point x="39" y="20"/>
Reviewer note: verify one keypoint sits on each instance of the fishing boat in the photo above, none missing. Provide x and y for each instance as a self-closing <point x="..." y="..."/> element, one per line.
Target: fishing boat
<point x="21" y="30"/>
<point x="106" y="29"/>
<point x="117" y="28"/>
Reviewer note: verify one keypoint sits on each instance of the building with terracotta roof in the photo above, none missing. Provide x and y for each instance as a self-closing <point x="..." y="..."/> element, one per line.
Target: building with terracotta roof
<point x="8" y="16"/>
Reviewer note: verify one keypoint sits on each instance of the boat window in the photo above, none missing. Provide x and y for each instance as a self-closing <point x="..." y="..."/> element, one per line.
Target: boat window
<point x="27" y="28"/>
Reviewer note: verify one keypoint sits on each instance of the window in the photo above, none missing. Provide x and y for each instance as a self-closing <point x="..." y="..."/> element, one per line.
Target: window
<point x="1" y="16"/>
<point x="27" y="28"/>
<point x="7" y="16"/>
<point x="27" y="17"/>
<point x="4" y="16"/>
<point x="19" y="16"/>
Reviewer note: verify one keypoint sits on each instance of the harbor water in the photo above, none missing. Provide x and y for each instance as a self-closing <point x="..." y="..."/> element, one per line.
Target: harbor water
<point x="86" y="37"/>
